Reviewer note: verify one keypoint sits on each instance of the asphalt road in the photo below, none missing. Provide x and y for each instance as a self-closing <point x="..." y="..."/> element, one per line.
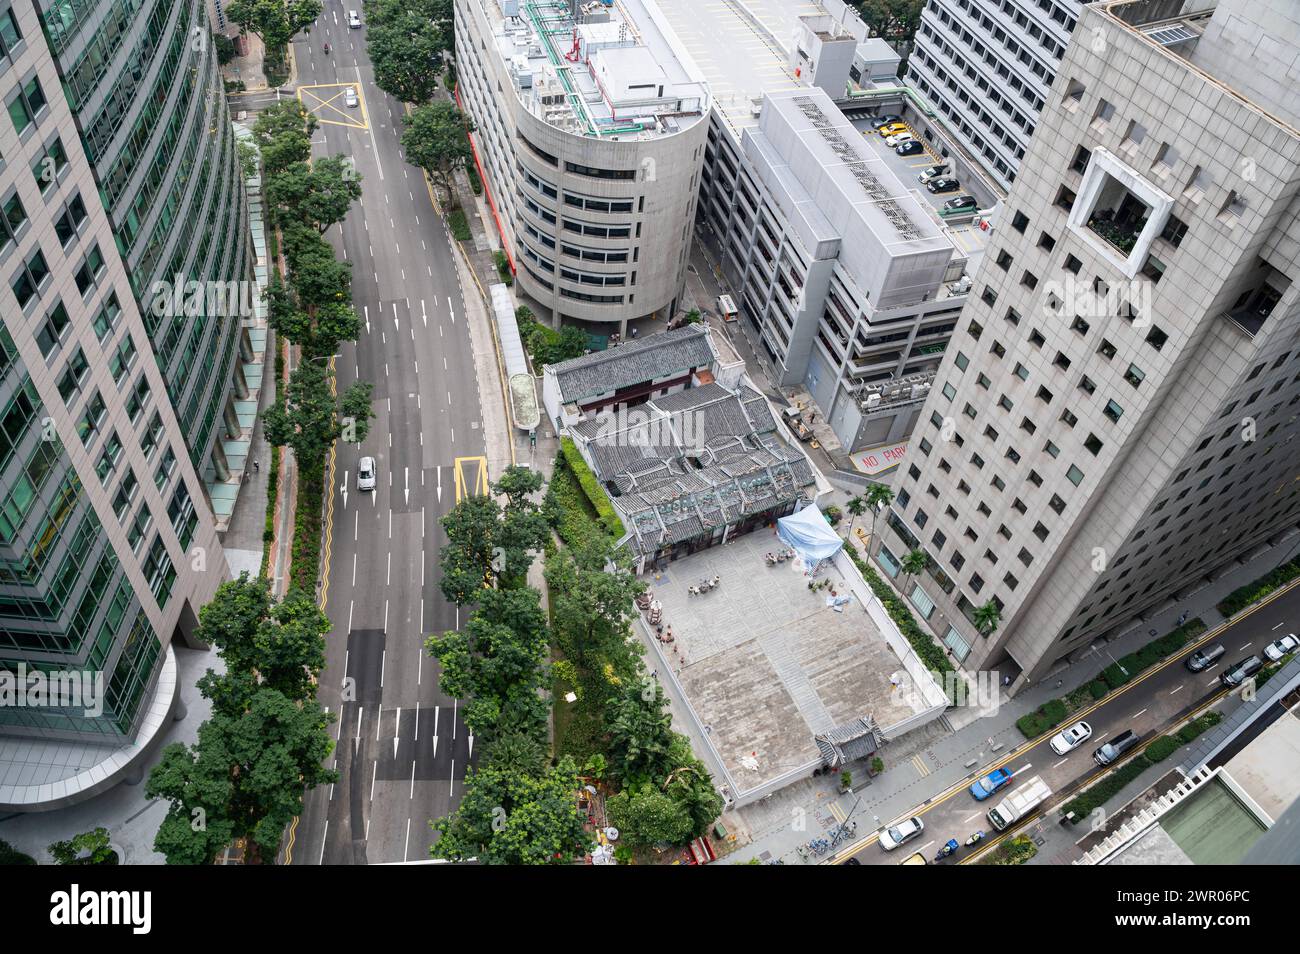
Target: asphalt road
<point x="1144" y="705"/>
<point x="402" y="749"/>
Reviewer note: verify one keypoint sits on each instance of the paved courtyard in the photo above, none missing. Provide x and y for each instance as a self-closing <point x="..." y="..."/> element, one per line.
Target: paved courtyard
<point x="766" y="664"/>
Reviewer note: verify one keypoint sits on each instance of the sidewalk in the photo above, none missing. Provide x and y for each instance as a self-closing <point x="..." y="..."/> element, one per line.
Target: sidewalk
<point x="916" y="770"/>
<point x="242" y="538"/>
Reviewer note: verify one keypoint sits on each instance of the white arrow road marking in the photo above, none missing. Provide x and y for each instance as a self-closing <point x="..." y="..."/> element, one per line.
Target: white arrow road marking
<point x="436" y="710"/>
<point x="406" y="480"/>
<point x="356" y="739"/>
<point x="423" y="313"/>
<point x="344" y="488"/>
<point x="397" y="727"/>
<point x="439" y="484"/>
<point x="471" y="746"/>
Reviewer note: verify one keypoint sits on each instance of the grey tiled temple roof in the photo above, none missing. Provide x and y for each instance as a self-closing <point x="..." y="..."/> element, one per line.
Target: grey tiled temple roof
<point x="634" y="362"/>
<point x="692" y="461"/>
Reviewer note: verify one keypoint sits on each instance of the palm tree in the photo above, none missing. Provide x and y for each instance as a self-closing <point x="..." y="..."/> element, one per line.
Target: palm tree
<point x="987" y="617"/>
<point x="878" y="496"/>
<point x="912" y="564"/>
<point x="856" y="508"/>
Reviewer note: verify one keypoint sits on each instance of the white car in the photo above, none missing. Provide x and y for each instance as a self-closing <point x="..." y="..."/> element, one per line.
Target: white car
<point x="354" y="20"/>
<point x="899" y="139"/>
<point x="366" y="473"/>
<point x="1287" y="644"/>
<point x="905" y="830"/>
<point x="1070" y="739"/>
<point x="350" y="97"/>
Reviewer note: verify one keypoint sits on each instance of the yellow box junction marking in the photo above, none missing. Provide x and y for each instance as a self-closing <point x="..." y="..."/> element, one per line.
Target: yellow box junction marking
<point x="473" y="483"/>
<point x="323" y="106"/>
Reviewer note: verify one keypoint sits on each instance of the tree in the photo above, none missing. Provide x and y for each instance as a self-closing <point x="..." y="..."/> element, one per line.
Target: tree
<point x="856" y="508"/>
<point x="592" y="609"/>
<point x="645" y="816"/>
<point x="914" y="563"/>
<point x="515" y="818"/>
<point x="245" y="776"/>
<point x="88" y="848"/>
<point x="275" y="21"/>
<point x="280" y="646"/>
<point x="895" y="20"/>
<point x="318" y="194"/>
<point x="878" y="497"/>
<point x="11" y="856"/>
<point x="436" y="139"/>
<point x="497" y="661"/>
<point x="406" y="41"/>
<point x="225" y="48"/>
<point x="318" y="277"/>
<point x="309" y="419"/>
<point x="487" y="542"/>
<point x="640" y="733"/>
<point x="282" y="133"/>
<point x="987" y="616"/>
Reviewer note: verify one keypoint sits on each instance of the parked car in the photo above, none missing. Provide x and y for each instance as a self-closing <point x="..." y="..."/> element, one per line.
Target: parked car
<point x="1205" y="657"/>
<point x="909" y="148"/>
<point x="366" y="473"/>
<point x="962" y="203"/>
<point x="906" y="830"/>
<point x="1282" y="647"/>
<point x="1231" y="678"/>
<point x="350" y="97"/>
<point x="890" y="120"/>
<point x="934" y="172"/>
<point x="354" y="20"/>
<point x="892" y="129"/>
<point x="997" y="779"/>
<point x="1067" y="740"/>
<point x="899" y="138"/>
<point x="1110" y="753"/>
<point x="943" y="184"/>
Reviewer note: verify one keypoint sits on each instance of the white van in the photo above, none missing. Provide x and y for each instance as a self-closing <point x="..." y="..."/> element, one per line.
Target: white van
<point x="1019" y="803"/>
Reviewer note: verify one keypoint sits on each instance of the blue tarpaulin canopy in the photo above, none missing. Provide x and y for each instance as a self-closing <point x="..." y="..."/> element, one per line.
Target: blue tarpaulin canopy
<point x="809" y="535"/>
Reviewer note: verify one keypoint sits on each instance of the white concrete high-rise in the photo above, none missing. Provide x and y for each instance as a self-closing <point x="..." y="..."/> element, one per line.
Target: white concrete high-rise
<point x="1116" y="417"/>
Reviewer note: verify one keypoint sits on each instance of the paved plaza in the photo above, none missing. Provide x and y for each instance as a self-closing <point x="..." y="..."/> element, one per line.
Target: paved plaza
<point x="766" y="664"/>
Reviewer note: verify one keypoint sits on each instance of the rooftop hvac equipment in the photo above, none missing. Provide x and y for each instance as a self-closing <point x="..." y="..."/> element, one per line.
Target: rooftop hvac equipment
<point x="510" y="8"/>
<point x="961" y="286"/>
<point x="873" y="399"/>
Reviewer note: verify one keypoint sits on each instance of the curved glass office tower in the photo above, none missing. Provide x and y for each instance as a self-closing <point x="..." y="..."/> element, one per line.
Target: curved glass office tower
<point x="122" y="211"/>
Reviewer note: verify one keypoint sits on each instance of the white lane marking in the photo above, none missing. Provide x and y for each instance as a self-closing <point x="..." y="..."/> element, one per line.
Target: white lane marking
<point x="324" y="838"/>
<point x="1133" y="717"/>
<point x="1179" y="689"/>
<point x="374" y="775"/>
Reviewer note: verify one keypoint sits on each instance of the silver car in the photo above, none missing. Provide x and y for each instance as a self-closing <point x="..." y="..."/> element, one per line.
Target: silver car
<point x="366" y="473"/>
<point x="1283" y="647"/>
<point x="905" y="830"/>
<point x="1067" y="740"/>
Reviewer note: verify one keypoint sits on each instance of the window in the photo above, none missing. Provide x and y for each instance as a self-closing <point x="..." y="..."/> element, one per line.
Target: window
<point x="27" y="283"/>
<point x="52" y="329"/>
<point x="1057" y="504"/>
<point x="961" y="361"/>
<point x="1046" y="242"/>
<point x="91" y="418"/>
<point x="109" y="458"/>
<point x="10" y="35"/>
<point x="1156" y="338"/>
<point x="73" y="376"/>
<point x="1075" y="475"/>
<point x="1113" y="411"/>
<point x="1068" y="417"/>
<point x="1019" y="222"/>
<point x="47" y="167"/>
<point x="1106" y="349"/>
<point x="1134" y="375"/>
<point x="1093" y="444"/>
<point x="90" y="269"/>
<point x="1079" y="326"/>
<point x="27" y="105"/>
<point x="1052" y="449"/>
<point x="1072" y="264"/>
<point x="12" y="221"/>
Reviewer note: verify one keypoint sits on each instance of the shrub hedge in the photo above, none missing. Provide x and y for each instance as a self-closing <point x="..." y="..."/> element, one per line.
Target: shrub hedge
<point x="459" y="225"/>
<point x="1256" y="590"/>
<point x="1082" y="805"/>
<point x="591" y="487"/>
<point x="304" y="565"/>
<point x="1047" y="716"/>
<point x="569" y="511"/>
<point x="931" y="655"/>
<point x="1167" y="745"/>
<point x="1016" y="851"/>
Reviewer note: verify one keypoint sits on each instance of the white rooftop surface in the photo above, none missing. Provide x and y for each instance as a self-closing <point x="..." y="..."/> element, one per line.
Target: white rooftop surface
<point x="847" y="190"/>
<point x="741" y="59"/>
<point x="635" y="48"/>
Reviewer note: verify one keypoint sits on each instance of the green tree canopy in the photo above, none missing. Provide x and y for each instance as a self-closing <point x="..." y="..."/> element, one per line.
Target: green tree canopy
<point x="436" y="139"/>
<point x="406" y="40"/>
<point x="245" y="776"/>
<point x="283" y="135"/>
<point x="275" y="21"/>
<point x="515" y="818"/>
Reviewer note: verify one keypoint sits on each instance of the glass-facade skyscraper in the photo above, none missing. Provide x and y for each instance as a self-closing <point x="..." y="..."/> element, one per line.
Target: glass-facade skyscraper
<point x="119" y="180"/>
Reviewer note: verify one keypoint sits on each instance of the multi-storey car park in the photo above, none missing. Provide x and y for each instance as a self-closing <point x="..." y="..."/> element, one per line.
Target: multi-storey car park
<point x="986" y="67"/>
<point x="1113" y="422"/>
<point x="118" y="176"/>
<point x="590" y="135"/>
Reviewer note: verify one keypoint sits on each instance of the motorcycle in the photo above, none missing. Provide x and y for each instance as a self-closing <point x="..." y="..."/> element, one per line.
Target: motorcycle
<point x="975" y="839"/>
<point x="947" y="849"/>
<point x="327" y="49"/>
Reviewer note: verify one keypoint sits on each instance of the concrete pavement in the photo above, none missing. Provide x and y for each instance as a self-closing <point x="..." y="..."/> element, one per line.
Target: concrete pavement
<point x="917" y="778"/>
